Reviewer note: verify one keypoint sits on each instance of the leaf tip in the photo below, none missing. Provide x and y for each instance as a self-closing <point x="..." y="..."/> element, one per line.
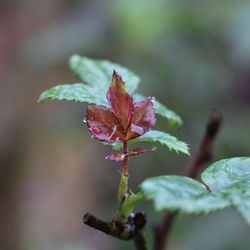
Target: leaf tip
<point x="40" y="99"/>
<point x="74" y="59"/>
<point x="115" y="74"/>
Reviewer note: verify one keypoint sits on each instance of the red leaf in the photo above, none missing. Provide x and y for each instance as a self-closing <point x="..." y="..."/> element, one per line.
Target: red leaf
<point x="115" y="157"/>
<point x="134" y="152"/>
<point x="120" y="101"/>
<point x="102" y="124"/>
<point x="138" y="151"/>
<point x="143" y="118"/>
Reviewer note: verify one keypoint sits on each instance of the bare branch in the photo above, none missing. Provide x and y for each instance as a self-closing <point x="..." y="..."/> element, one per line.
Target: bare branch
<point x="201" y="158"/>
<point x="123" y="231"/>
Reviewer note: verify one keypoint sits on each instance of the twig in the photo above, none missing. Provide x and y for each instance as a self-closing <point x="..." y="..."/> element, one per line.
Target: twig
<point x="140" y="242"/>
<point x="161" y="231"/>
<point x="204" y="154"/>
<point x="202" y="157"/>
<point x="139" y="220"/>
<point x="127" y="231"/>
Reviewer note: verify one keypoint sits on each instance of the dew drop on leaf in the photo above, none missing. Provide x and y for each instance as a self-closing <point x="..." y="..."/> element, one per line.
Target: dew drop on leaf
<point x="137" y="129"/>
<point x="96" y="130"/>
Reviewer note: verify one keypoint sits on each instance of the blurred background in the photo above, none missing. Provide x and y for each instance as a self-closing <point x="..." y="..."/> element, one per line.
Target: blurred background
<point x="192" y="55"/>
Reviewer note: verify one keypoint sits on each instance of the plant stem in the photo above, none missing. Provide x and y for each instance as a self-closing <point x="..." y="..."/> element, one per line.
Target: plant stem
<point x="122" y="227"/>
<point x="123" y="187"/>
<point x="131" y="230"/>
<point x="162" y="230"/>
<point x="204" y="153"/>
<point x="115" y="229"/>
<point x="140" y="242"/>
<point x="125" y="161"/>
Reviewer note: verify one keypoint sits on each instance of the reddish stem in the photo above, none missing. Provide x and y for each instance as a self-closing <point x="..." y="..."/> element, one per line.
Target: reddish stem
<point x="125" y="161"/>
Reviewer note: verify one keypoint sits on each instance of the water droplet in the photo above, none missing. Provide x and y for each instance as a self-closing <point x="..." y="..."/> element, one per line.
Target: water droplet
<point x="137" y="129"/>
<point x="122" y="157"/>
<point x="117" y="139"/>
<point x="96" y="130"/>
<point x="92" y="137"/>
<point x="84" y="120"/>
<point x="113" y="132"/>
<point x="115" y="157"/>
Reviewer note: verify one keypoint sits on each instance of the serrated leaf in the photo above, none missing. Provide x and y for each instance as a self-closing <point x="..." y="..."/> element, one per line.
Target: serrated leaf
<point x="183" y="194"/>
<point x="134" y="152"/>
<point x="163" y="138"/>
<point x="97" y="76"/>
<point x="98" y="73"/>
<point x="242" y="205"/>
<point x="229" y="181"/>
<point x="163" y="111"/>
<point x="239" y="195"/>
<point x="231" y="178"/>
<point x="224" y="173"/>
<point x="74" y="92"/>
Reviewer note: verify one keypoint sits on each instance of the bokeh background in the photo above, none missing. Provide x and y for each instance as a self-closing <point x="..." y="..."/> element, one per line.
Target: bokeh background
<point x="192" y="55"/>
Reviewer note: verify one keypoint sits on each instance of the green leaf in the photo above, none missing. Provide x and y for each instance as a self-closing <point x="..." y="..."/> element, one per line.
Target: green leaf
<point x="231" y="178"/>
<point x="183" y="194"/>
<point x="128" y="206"/>
<point x="242" y="205"/>
<point x="229" y="181"/>
<point x="98" y="73"/>
<point x="224" y="173"/>
<point x="163" y="111"/>
<point x="239" y="195"/>
<point x="74" y="92"/>
<point x="97" y="77"/>
<point x="163" y="138"/>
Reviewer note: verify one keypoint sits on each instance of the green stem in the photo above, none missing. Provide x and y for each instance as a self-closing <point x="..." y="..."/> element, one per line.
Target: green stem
<point x="125" y="161"/>
<point x="123" y="187"/>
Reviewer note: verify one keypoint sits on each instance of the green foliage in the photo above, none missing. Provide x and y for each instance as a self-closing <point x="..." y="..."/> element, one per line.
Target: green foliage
<point x="228" y="184"/>
<point x="75" y="92"/>
<point x="128" y="206"/>
<point x="231" y="177"/>
<point x="165" y="112"/>
<point x="224" y="173"/>
<point x="162" y="110"/>
<point x="183" y="194"/>
<point x="96" y="76"/>
<point x="242" y="204"/>
<point x="98" y="73"/>
<point x="165" y="139"/>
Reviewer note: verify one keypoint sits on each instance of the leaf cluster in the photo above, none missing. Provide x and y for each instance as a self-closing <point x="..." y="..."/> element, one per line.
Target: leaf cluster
<point x="96" y="77"/>
<point x="226" y="184"/>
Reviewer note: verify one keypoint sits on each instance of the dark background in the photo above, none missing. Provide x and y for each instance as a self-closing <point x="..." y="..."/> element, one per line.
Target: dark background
<point x="191" y="55"/>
